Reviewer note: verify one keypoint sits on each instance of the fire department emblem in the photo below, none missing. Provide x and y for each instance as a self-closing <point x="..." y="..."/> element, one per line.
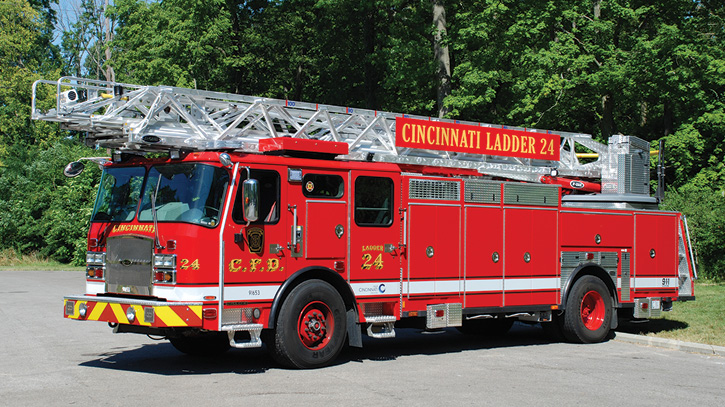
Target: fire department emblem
<point x="255" y="237"/>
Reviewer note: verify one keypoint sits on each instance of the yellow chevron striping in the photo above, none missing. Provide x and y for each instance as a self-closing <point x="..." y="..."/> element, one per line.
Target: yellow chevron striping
<point x="169" y="317"/>
<point x="97" y="311"/>
<point x="120" y="315"/>
<point x="196" y="309"/>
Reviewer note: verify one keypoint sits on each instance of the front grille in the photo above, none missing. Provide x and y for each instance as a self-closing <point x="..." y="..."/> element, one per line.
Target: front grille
<point x="129" y="269"/>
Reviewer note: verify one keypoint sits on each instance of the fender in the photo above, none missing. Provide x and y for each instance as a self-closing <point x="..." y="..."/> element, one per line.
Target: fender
<point x="595" y="270"/>
<point x="319" y="272"/>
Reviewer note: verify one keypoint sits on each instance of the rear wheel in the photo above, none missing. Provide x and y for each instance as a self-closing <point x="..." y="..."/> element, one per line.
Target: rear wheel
<point x="202" y="344"/>
<point x="311" y="326"/>
<point x="588" y="315"/>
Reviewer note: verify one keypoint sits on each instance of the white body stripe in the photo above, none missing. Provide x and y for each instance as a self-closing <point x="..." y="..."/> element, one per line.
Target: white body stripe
<point x="245" y="293"/>
<point x="376" y="288"/>
<point x="516" y="284"/>
<point x="655" y="282"/>
<point x="470" y="286"/>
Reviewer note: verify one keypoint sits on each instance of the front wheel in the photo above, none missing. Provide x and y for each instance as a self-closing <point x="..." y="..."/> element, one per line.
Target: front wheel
<point x="588" y="314"/>
<point x="311" y="326"/>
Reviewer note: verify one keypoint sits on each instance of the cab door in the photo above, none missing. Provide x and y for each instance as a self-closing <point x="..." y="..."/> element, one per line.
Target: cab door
<point x="251" y="270"/>
<point x="319" y="229"/>
<point x="375" y="234"/>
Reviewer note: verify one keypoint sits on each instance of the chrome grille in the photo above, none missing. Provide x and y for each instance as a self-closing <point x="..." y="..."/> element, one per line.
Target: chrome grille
<point x="129" y="269"/>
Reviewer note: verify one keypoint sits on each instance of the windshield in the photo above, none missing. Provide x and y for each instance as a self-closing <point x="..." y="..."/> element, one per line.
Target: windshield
<point x="118" y="194"/>
<point x="190" y="193"/>
<point x="186" y="193"/>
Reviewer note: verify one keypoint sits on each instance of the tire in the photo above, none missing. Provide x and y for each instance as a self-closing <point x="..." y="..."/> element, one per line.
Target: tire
<point x="311" y="326"/>
<point x="486" y="327"/>
<point x="203" y="344"/>
<point x="588" y="312"/>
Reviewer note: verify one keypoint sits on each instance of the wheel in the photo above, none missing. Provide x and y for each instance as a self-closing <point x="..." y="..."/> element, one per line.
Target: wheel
<point x="588" y="311"/>
<point x="311" y="326"/>
<point x="202" y="344"/>
<point x="488" y="327"/>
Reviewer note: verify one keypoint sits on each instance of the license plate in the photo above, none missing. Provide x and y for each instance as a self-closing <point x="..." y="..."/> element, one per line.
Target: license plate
<point x="70" y="308"/>
<point x="655" y="304"/>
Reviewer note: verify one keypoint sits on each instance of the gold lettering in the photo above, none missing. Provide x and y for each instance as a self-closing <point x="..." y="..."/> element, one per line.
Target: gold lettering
<point x="419" y="134"/>
<point x="497" y="143"/>
<point x="272" y="265"/>
<point x="405" y="130"/>
<point x="235" y="265"/>
<point x="464" y="139"/>
<point x="446" y="137"/>
<point x="438" y="136"/>
<point x="454" y="137"/>
<point x="532" y="145"/>
<point x="506" y="142"/>
<point x="428" y="135"/>
<point x="515" y="143"/>
<point x="253" y="263"/>
<point x="478" y="140"/>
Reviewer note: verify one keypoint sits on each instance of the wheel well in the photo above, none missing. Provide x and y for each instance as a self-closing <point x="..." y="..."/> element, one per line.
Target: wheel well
<point x="309" y="273"/>
<point x="591" y="270"/>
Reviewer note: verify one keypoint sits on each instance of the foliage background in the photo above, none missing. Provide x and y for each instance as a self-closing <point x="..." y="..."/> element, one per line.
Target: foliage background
<point x="653" y="69"/>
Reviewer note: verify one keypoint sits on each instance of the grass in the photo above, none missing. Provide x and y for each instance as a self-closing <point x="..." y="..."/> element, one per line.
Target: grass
<point x="11" y="260"/>
<point x="701" y="321"/>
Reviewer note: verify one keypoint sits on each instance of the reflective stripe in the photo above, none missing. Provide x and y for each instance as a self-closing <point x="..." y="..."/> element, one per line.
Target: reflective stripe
<point x="376" y="288"/>
<point x="168" y="316"/>
<point x="655" y="282"/>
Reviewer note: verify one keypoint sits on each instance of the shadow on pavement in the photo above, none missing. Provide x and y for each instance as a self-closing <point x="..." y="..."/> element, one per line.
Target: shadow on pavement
<point x="647" y="326"/>
<point x="162" y="359"/>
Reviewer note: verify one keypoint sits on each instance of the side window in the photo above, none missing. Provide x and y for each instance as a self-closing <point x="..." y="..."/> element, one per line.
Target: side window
<point x="268" y="197"/>
<point x="323" y="186"/>
<point x="373" y="201"/>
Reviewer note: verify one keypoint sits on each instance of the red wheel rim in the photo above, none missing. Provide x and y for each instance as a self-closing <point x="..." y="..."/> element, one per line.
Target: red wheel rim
<point x="315" y="325"/>
<point x="592" y="310"/>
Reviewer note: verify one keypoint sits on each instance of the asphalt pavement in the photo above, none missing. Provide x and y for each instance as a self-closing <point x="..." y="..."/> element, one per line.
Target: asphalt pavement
<point x="46" y="360"/>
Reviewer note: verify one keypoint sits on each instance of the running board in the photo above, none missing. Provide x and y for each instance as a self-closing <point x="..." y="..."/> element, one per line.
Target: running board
<point x="381" y="326"/>
<point x="254" y="330"/>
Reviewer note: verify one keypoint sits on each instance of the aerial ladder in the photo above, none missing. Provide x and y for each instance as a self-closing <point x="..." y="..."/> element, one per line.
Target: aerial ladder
<point x="134" y="119"/>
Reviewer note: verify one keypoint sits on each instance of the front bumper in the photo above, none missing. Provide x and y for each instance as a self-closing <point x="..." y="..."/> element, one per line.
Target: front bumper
<point x="158" y="314"/>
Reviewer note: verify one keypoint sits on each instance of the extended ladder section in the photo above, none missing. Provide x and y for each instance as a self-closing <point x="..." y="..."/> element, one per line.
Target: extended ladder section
<point x="135" y="118"/>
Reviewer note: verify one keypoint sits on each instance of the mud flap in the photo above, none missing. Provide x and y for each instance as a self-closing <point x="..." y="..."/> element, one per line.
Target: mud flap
<point x="354" y="335"/>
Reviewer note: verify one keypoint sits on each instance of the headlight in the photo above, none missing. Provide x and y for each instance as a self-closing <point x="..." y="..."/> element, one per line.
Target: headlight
<point x="166" y="261"/>
<point x="96" y="258"/>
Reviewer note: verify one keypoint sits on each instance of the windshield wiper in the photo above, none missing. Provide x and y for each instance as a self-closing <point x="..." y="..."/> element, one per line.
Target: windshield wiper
<point x="157" y="242"/>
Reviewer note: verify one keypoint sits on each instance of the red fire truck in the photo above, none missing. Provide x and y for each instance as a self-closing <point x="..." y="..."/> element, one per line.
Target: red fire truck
<point x="227" y="220"/>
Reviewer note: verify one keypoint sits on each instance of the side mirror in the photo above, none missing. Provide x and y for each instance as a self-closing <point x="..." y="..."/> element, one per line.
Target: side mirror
<point x="250" y="199"/>
<point x="73" y="169"/>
